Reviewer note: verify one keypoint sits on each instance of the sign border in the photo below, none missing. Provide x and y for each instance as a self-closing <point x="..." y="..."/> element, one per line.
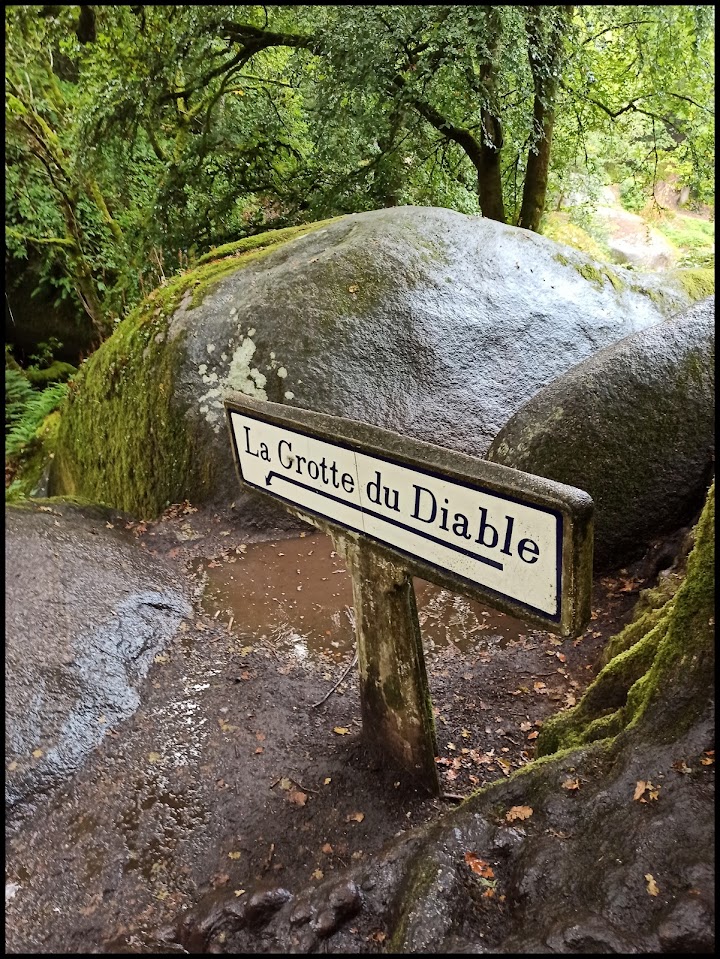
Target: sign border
<point x="571" y="507"/>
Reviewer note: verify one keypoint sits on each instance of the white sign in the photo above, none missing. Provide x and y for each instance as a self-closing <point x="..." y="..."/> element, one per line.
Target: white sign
<point x="509" y="547"/>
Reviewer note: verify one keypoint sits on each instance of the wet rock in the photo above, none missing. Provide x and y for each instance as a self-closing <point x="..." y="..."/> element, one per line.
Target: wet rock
<point x="218" y="912"/>
<point x="634" y="426"/>
<point x="425" y="321"/>
<point x="690" y="928"/>
<point x="86" y="612"/>
<point x="344" y="900"/>
<point x="264" y="903"/>
<point x="302" y="912"/>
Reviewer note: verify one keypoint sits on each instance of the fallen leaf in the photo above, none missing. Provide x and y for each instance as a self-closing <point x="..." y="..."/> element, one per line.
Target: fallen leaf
<point x="234" y="855"/>
<point x="327" y="781"/>
<point x="451" y="746"/>
<point x="239" y="892"/>
<point x="259" y="750"/>
<point x="341" y="730"/>
<point x="504" y="766"/>
<point x="220" y="878"/>
<point x="378" y="936"/>
<point x="109" y="526"/>
<point x="260" y="737"/>
<point x="465" y="733"/>
<point x="318" y="874"/>
<point x="533" y="735"/>
<point x="489" y="893"/>
<point x="681" y="766"/>
<point x="652" y="887"/>
<point x="297" y="797"/>
<point x="518" y="812"/>
<point x="327" y="849"/>
<point x="355" y="817"/>
<point x="154" y="757"/>
<point x="639" y="788"/>
<point x="570" y="699"/>
<point x="354" y="288"/>
<point x="479" y="866"/>
<point x="285" y="783"/>
<point x="37" y="753"/>
<point x="539" y="685"/>
<point x="571" y="784"/>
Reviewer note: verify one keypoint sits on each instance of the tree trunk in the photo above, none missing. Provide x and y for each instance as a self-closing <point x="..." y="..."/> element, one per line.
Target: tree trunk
<point x="545" y="55"/>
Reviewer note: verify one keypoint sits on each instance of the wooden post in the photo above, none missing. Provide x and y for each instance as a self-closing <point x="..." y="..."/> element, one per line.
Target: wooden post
<point x="394" y="694"/>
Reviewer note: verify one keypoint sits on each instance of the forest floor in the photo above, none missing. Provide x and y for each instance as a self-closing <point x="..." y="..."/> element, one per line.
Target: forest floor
<point x="238" y="771"/>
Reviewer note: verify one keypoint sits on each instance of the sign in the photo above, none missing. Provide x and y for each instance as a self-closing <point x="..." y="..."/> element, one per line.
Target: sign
<point x="400" y="508"/>
<point x="487" y="530"/>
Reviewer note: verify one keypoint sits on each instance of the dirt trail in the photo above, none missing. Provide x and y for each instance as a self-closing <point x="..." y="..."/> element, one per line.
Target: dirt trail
<point x="229" y="777"/>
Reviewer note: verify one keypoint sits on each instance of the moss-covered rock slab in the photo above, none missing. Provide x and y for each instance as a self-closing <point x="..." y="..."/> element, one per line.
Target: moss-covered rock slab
<point x="425" y="321"/>
<point x="634" y="426"/>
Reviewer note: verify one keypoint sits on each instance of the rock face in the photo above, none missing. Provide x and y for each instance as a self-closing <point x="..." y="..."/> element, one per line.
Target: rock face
<point x="86" y="613"/>
<point x="425" y="321"/>
<point x="633" y="426"/>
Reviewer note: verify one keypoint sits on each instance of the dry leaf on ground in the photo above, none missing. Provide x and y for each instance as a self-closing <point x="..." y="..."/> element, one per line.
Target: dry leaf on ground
<point x="355" y="817"/>
<point x="518" y="812"/>
<point x="341" y="730"/>
<point x="652" y="887"/>
<point x="479" y="866"/>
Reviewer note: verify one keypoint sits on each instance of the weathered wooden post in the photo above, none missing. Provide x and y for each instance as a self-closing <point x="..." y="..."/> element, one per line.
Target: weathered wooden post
<point x="398" y="508"/>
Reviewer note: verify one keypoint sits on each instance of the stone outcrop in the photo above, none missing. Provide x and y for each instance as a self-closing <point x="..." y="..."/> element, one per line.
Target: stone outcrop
<point x="425" y="321"/>
<point x="634" y="426"/>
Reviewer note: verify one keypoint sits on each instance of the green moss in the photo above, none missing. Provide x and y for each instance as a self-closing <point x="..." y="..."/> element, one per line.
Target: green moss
<point x="121" y="443"/>
<point x="417" y="886"/>
<point x="591" y="273"/>
<point x="557" y="226"/>
<point x="57" y="372"/>
<point x="697" y="282"/>
<point x="35" y="459"/>
<point x="669" y="649"/>
<point x="271" y="238"/>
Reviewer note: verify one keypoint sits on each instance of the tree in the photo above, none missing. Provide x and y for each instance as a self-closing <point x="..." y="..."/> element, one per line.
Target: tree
<point x="138" y="136"/>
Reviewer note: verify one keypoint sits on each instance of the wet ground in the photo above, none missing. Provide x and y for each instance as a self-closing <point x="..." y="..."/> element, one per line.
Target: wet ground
<point x="238" y="769"/>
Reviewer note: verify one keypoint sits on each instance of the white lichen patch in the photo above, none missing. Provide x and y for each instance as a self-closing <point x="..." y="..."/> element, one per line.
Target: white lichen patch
<point x="202" y="369"/>
<point x="210" y="378"/>
<point x="282" y="372"/>
<point x="211" y="347"/>
<point x="223" y="357"/>
<point x="252" y="332"/>
<point x="289" y="395"/>
<point x="241" y="376"/>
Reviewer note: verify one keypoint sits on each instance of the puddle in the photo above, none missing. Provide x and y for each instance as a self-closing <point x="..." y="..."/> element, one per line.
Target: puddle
<point x="297" y="593"/>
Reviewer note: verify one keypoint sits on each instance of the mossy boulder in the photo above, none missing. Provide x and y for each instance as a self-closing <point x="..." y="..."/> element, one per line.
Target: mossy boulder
<point x="425" y="321"/>
<point x="634" y="426"/>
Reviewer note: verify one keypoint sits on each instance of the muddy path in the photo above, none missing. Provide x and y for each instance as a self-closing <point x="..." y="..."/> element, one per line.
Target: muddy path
<point x="239" y="771"/>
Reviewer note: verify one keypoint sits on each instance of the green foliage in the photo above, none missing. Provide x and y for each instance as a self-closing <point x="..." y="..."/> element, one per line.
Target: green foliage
<point x="182" y="128"/>
<point x="26" y="409"/>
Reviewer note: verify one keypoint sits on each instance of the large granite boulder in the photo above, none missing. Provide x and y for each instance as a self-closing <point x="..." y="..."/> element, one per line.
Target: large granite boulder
<point x="86" y="612"/>
<point x="425" y="321"/>
<point x="634" y="426"/>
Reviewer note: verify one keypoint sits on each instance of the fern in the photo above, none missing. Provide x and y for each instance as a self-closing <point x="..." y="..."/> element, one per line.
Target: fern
<point x="18" y="393"/>
<point x="33" y="411"/>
